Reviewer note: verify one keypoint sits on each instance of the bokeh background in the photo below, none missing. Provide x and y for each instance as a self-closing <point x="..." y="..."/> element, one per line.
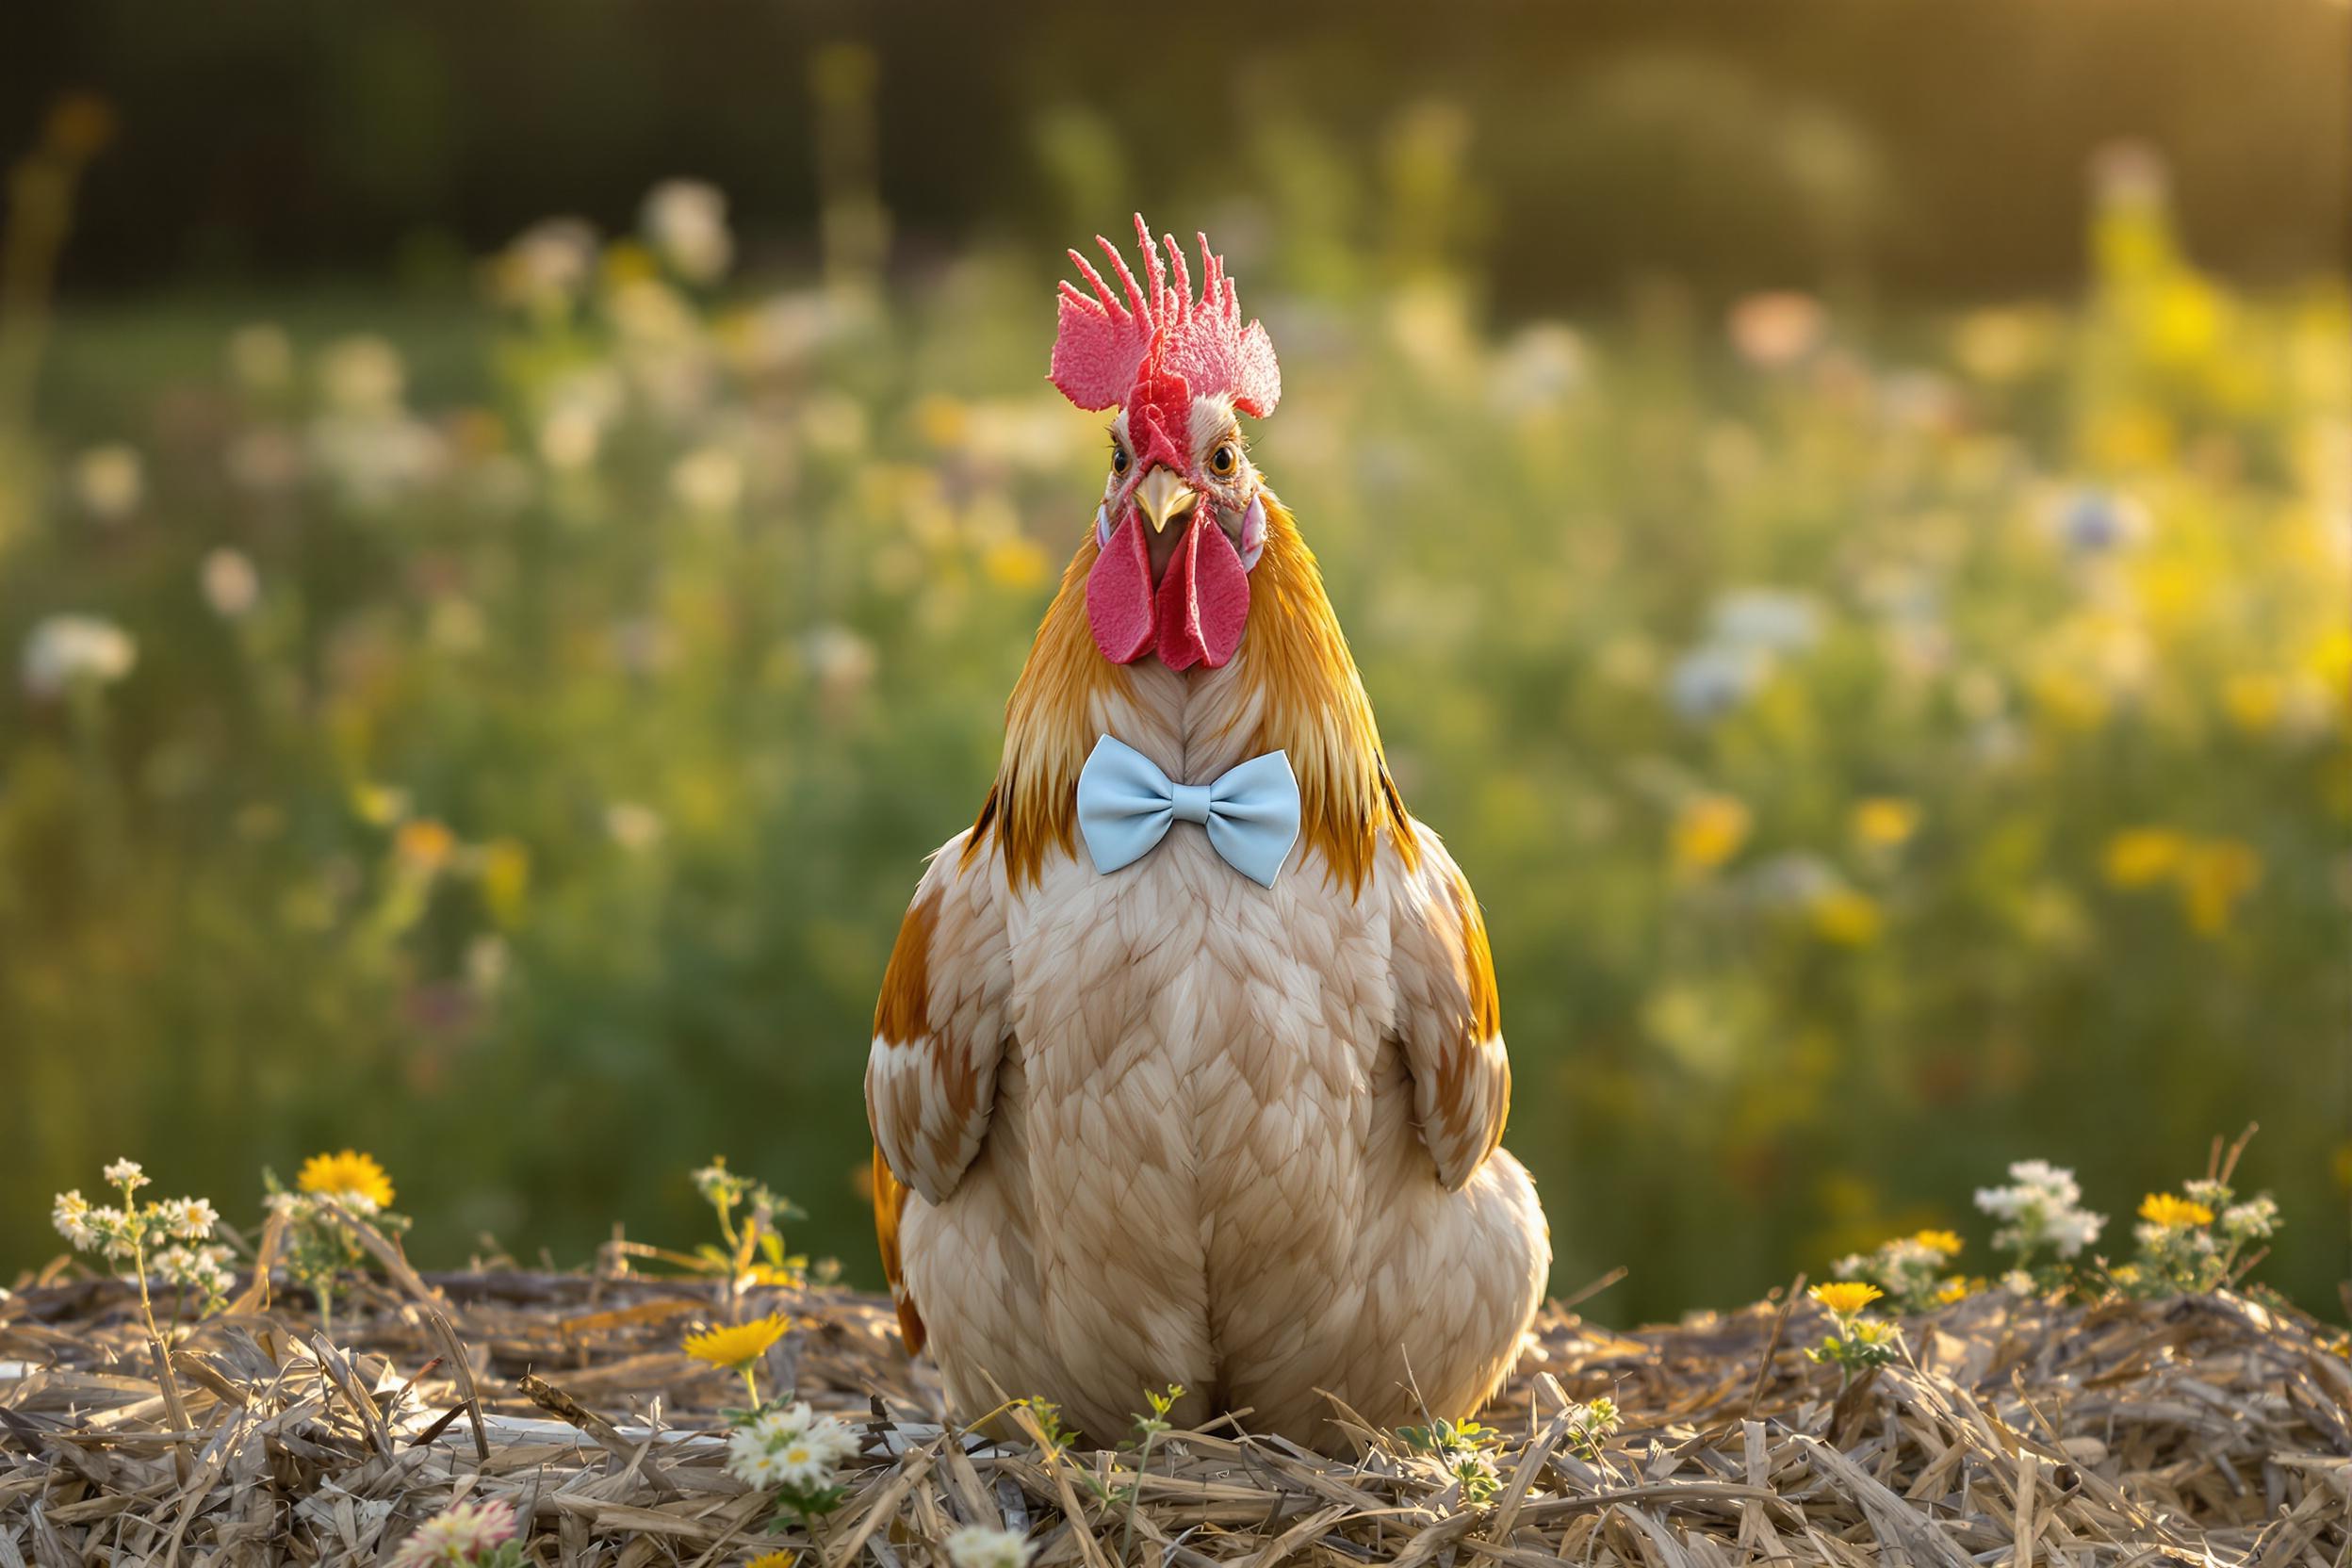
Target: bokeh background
<point x="1845" y="510"/>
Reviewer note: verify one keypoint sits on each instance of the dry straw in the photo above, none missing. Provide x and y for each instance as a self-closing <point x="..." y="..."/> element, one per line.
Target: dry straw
<point x="2207" y="1429"/>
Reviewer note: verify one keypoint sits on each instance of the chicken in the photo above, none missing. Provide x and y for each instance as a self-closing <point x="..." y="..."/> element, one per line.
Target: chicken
<point x="1154" y="1120"/>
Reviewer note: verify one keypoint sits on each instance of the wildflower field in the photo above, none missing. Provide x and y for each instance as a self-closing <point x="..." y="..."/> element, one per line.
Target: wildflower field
<point x="498" y="725"/>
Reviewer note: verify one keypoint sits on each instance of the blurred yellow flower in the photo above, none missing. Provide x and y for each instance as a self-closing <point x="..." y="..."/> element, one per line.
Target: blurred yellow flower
<point x="2139" y="856"/>
<point x="2163" y="1208"/>
<point x="1885" y="821"/>
<point x="943" y="421"/>
<point x="349" y="1174"/>
<point x="737" y="1346"/>
<point x="625" y="261"/>
<point x="1708" y="831"/>
<point x="773" y="1559"/>
<point x="1954" y="1289"/>
<point x="378" y="804"/>
<point x="1945" y="1242"/>
<point x="2213" y="876"/>
<point x="1844" y="1297"/>
<point x="1847" y="917"/>
<point x="424" y="843"/>
<point x="1016" y="563"/>
<point x="505" y="879"/>
<point x="2253" y="700"/>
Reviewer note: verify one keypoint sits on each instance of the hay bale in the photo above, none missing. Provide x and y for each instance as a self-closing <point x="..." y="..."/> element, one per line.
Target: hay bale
<point x="2203" y="1428"/>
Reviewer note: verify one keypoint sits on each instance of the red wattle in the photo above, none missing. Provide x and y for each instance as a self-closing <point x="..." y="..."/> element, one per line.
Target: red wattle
<point x="1118" y="595"/>
<point x="1203" y="599"/>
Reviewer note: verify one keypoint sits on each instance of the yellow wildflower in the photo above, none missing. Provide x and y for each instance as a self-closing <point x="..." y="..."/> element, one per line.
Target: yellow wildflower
<point x="1954" y="1289"/>
<point x="738" y="1345"/>
<point x="773" y="1560"/>
<point x="349" y="1174"/>
<point x="2213" y="878"/>
<point x="2254" y="700"/>
<point x="2163" y="1208"/>
<point x="425" y="843"/>
<point x="1844" y="1297"/>
<point x="1945" y="1242"/>
<point x="1848" y="917"/>
<point x="2138" y="855"/>
<point x="1885" y="821"/>
<point x="1708" y="831"/>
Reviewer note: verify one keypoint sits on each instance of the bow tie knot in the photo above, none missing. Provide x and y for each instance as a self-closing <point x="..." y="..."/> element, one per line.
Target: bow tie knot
<point x="1126" y="804"/>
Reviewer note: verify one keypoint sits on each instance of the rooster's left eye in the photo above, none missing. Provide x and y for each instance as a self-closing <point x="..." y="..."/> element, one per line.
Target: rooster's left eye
<point x="1221" y="460"/>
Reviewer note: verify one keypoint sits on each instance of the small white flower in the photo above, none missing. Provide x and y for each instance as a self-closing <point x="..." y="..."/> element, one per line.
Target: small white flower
<point x="110" y="480"/>
<point x="65" y="650"/>
<point x="231" y="585"/>
<point x="190" y="1219"/>
<point x="462" y="1534"/>
<point x="2018" y="1282"/>
<point x="126" y="1173"/>
<point x="685" y="220"/>
<point x="2254" y="1218"/>
<point x="639" y="828"/>
<point x="979" y="1546"/>
<point x="72" y="1219"/>
<point x="362" y="374"/>
<point x="708" y="481"/>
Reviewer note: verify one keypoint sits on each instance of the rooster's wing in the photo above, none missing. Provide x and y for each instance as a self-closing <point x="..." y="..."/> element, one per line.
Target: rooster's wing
<point x="1449" y="1017"/>
<point x="937" y="1037"/>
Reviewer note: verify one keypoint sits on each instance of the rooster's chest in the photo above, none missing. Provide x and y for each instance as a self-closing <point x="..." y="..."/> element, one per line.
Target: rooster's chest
<point x="1179" y="986"/>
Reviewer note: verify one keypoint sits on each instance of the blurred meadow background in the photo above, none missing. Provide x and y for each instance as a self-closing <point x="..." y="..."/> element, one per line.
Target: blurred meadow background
<point x="518" y="521"/>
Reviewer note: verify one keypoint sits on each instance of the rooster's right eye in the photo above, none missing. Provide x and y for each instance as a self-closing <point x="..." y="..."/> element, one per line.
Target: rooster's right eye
<point x="1118" y="460"/>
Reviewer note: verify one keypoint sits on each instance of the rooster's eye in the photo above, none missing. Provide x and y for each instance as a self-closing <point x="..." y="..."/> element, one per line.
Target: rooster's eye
<point x="1118" y="460"/>
<point x="1221" y="460"/>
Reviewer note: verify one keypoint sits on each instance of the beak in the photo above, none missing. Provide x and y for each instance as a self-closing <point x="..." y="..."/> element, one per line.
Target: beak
<point x="1162" y="497"/>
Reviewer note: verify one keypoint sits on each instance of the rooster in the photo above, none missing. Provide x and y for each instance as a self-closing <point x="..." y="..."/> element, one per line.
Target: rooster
<point x="1187" y="1065"/>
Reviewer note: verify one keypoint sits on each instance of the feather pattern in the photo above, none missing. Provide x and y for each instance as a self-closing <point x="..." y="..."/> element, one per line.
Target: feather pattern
<point x="1168" y="1126"/>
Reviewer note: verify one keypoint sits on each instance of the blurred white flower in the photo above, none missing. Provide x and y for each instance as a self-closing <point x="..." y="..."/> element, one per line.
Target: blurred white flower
<point x="231" y="585"/>
<point x="110" y="480"/>
<point x="546" y="266"/>
<point x="64" y="650"/>
<point x="980" y="1546"/>
<point x="261" y="358"/>
<point x="466" y="1533"/>
<point x="579" y="408"/>
<point x="1772" y="619"/>
<point x="1775" y="330"/>
<point x="362" y="374"/>
<point x="72" y="1216"/>
<point x="1541" y="368"/>
<point x="709" y="480"/>
<point x="1712" y="679"/>
<point x="2093" y="521"/>
<point x="125" y="1173"/>
<point x="685" y="222"/>
<point x="2042" y="1205"/>
<point x="840" y="658"/>
<point x="633" y="827"/>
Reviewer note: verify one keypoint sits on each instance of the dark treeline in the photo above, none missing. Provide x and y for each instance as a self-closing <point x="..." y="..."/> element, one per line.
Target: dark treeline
<point x="1937" y="147"/>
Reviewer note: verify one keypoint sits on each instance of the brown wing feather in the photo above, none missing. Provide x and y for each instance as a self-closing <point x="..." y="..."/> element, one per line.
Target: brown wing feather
<point x="890" y="1207"/>
<point x="1449" y="1016"/>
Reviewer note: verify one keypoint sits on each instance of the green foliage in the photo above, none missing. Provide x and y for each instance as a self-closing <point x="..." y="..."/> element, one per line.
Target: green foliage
<point x="510" y="737"/>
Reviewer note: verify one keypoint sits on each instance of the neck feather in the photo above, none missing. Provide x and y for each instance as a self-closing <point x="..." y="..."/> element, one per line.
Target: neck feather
<point x="1298" y="686"/>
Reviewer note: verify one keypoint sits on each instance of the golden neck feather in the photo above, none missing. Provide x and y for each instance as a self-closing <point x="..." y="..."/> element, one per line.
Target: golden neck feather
<point x="1310" y="704"/>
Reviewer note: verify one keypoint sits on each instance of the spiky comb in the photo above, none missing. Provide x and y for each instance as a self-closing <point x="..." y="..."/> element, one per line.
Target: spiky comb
<point x="1106" y="351"/>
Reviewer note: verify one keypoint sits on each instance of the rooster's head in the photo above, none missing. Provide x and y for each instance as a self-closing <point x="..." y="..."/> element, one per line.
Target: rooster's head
<point x="1183" y="519"/>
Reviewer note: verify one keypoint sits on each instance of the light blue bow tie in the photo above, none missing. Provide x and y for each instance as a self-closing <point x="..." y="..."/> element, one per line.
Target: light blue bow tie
<point x="1125" y="804"/>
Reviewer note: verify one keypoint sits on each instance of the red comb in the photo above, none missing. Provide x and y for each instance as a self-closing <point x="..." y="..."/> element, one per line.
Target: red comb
<point x="1102" y="346"/>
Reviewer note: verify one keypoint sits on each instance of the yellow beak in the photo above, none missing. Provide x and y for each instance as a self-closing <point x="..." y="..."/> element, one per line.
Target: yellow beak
<point x="1163" y="497"/>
